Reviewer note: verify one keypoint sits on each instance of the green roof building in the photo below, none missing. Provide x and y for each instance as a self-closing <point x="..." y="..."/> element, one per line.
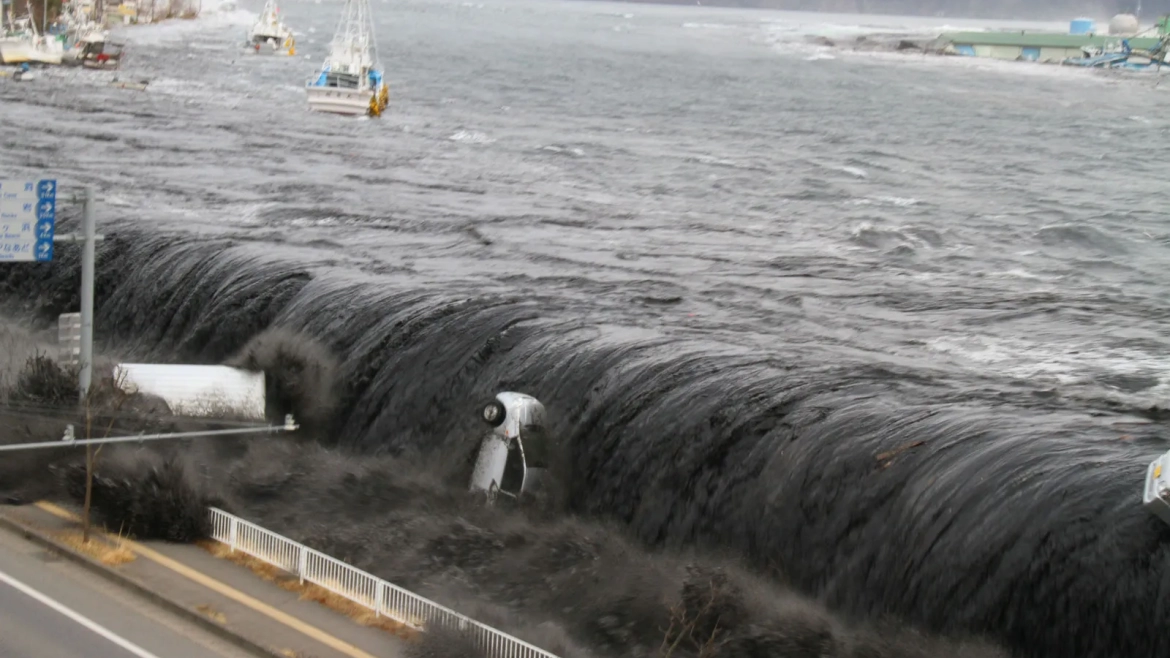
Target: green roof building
<point x="1035" y="46"/>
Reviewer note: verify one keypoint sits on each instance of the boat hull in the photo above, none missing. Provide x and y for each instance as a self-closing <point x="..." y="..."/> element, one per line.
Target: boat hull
<point x="20" y="52"/>
<point x="338" y="100"/>
<point x="46" y="57"/>
<point x="107" y="65"/>
<point x="271" y="43"/>
<point x="15" y="52"/>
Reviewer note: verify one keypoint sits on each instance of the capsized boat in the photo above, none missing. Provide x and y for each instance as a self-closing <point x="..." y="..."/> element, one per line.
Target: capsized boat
<point x="350" y="81"/>
<point x="270" y="34"/>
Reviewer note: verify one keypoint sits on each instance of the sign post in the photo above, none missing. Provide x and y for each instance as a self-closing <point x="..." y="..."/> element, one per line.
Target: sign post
<point x="28" y="218"/>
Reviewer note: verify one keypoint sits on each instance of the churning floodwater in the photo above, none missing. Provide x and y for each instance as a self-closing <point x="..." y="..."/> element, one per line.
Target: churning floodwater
<point x="892" y="325"/>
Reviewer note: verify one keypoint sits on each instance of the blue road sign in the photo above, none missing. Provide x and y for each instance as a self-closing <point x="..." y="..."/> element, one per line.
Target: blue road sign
<point x="28" y="219"/>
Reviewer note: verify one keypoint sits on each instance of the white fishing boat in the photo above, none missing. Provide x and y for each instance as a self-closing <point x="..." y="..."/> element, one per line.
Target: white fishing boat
<point x="16" y="40"/>
<point x="270" y="34"/>
<point x="350" y="81"/>
<point x="39" y="49"/>
<point x="16" y="51"/>
<point x="48" y="49"/>
<point x="23" y="43"/>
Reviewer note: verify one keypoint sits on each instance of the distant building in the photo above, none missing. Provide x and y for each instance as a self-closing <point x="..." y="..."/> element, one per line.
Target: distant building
<point x="124" y="13"/>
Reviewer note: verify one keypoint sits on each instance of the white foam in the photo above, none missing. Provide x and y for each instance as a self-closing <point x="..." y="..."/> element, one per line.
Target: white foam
<point x="471" y="137"/>
<point x="902" y="202"/>
<point x="796" y="26"/>
<point x="898" y="201"/>
<point x="222" y="16"/>
<point x="1067" y="364"/>
<point x="553" y="148"/>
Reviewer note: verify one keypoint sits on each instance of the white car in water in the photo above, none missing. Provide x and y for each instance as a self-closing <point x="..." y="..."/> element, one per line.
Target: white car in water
<point x="513" y="458"/>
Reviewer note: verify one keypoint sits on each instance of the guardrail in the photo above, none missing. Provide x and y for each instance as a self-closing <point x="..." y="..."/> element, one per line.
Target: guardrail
<point x="382" y="597"/>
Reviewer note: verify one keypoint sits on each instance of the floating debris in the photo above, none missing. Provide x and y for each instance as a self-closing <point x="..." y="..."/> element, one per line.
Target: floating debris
<point x="140" y="85"/>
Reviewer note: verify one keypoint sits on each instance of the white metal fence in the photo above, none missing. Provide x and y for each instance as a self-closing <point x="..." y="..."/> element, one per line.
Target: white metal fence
<point x="362" y="588"/>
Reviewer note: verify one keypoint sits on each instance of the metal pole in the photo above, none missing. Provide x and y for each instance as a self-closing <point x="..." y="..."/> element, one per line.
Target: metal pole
<point x="87" y="266"/>
<point x="85" y="373"/>
<point x="89" y="457"/>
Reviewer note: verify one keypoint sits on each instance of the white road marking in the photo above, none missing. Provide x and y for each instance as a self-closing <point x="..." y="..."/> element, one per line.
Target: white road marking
<point x="77" y="617"/>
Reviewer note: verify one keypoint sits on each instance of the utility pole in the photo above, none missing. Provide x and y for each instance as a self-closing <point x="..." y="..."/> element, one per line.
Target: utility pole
<point x="85" y="372"/>
<point x="30" y="217"/>
<point x="88" y="256"/>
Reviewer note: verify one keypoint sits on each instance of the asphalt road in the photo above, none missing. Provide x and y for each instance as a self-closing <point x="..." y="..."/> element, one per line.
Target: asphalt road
<point x="52" y="607"/>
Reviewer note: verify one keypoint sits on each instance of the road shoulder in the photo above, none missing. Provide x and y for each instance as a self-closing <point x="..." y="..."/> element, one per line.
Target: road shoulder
<point x="217" y="595"/>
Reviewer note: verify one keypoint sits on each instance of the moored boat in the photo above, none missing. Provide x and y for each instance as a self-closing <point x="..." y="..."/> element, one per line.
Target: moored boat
<point x="350" y="81"/>
<point x="270" y="34"/>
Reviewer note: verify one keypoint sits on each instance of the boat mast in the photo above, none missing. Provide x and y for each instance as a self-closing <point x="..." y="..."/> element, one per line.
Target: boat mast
<point x="32" y="19"/>
<point x="353" y="34"/>
<point x="374" y="61"/>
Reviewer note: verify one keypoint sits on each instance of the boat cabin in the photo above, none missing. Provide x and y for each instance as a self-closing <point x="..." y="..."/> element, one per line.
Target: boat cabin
<point x="101" y="54"/>
<point x="338" y="80"/>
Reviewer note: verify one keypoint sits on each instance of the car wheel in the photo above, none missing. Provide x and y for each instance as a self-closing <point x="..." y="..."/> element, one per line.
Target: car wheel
<point x="493" y="413"/>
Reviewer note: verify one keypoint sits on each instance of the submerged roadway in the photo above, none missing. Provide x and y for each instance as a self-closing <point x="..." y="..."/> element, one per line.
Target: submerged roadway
<point x="50" y="606"/>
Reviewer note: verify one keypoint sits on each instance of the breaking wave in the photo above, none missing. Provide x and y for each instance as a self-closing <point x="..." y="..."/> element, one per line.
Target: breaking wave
<point x="880" y="493"/>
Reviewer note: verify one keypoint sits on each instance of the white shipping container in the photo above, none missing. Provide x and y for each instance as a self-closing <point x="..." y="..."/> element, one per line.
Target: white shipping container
<point x="196" y="390"/>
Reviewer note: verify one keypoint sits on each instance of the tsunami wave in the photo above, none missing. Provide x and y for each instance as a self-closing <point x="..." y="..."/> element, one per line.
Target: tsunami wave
<point x="880" y="493"/>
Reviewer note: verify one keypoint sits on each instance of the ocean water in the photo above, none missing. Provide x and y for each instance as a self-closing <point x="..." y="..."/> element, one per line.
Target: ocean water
<point x="739" y="266"/>
<point x="979" y="219"/>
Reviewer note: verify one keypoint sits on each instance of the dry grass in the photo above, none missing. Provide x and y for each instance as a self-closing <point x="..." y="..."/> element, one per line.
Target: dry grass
<point x="17" y="346"/>
<point x="212" y="613"/>
<point x="100" y="549"/>
<point x="308" y="591"/>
